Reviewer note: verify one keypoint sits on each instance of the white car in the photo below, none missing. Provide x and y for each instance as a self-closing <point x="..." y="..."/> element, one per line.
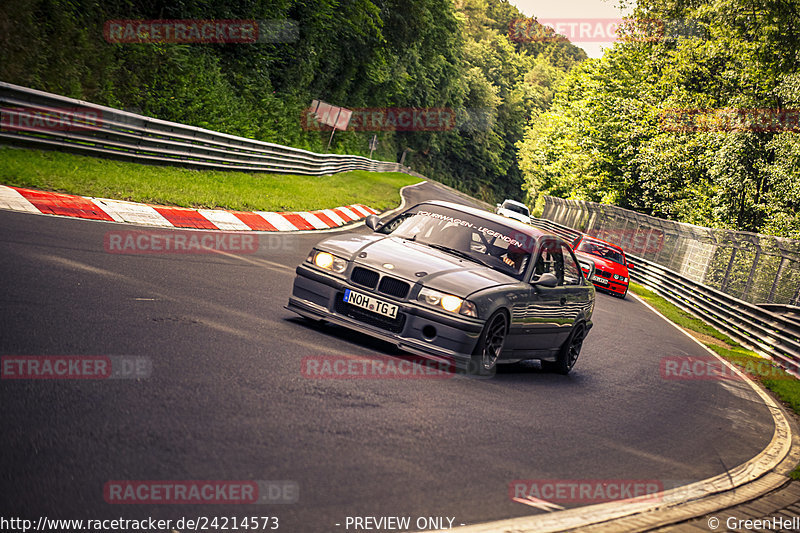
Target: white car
<point x="515" y="210"/>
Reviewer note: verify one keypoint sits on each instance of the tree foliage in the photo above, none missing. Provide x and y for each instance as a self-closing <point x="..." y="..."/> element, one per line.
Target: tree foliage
<point x="605" y="137"/>
<point x="351" y="53"/>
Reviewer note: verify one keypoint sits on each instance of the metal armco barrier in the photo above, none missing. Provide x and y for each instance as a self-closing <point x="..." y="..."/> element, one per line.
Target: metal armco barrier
<point x="768" y="333"/>
<point x="37" y="119"/>
<point x="43" y="120"/>
<point x="753" y="267"/>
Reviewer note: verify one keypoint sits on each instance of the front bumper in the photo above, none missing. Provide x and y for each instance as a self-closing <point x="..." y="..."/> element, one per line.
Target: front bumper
<point x="614" y="286"/>
<point x="318" y="295"/>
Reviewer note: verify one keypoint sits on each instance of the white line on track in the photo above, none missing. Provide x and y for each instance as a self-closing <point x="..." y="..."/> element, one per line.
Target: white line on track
<point x="683" y="503"/>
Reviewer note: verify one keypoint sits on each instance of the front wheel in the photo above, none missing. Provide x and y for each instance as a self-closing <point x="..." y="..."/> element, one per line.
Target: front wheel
<point x="490" y="345"/>
<point x="569" y="352"/>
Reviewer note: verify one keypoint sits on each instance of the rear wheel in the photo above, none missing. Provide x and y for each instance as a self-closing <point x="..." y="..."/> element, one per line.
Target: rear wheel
<point x="569" y="351"/>
<point x="490" y="345"/>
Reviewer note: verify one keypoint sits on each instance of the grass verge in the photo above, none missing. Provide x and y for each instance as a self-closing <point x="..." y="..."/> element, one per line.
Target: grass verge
<point x="782" y="384"/>
<point x="164" y="185"/>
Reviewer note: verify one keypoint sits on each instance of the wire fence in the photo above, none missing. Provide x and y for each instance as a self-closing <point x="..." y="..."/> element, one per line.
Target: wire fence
<point x="751" y="267"/>
<point x="771" y="330"/>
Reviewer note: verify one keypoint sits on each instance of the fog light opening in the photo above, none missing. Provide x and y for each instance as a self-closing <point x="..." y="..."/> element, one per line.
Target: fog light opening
<point x="429" y="332"/>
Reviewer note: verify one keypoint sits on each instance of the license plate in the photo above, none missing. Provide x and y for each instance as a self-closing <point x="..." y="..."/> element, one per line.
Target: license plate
<point x="601" y="281"/>
<point x="364" y="301"/>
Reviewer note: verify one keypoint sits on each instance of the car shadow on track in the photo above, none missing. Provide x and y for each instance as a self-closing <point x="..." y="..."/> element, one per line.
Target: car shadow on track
<point x="525" y="372"/>
<point x="347" y="335"/>
<point x="531" y="372"/>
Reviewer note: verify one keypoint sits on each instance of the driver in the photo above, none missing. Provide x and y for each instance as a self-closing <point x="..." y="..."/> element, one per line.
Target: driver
<point x="515" y="257"/>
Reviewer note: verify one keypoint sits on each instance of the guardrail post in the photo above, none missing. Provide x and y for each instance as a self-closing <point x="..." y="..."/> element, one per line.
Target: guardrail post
<point x="774" y="286"/>
<point x="752" y="275"/>
<point x="724" y="285"/>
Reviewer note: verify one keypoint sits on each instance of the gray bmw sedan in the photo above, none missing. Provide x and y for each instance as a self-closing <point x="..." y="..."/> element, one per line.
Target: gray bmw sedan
<point x="455" y="284"/>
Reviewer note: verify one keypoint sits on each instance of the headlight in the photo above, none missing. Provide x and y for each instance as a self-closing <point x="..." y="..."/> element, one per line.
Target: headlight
<point x="327" y="261"/>
<point x="448" y="302"/>
<point x="620" y="278"/>
<point x="451" y="303"/>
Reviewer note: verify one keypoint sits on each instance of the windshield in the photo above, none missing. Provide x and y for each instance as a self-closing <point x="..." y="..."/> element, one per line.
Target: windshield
<point x="601" y="250"/>
<point x="521" y="209"/>
<point x="494" y="245"/>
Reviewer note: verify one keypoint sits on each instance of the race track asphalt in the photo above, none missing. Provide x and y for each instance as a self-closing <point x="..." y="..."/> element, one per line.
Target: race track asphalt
<point x="226" y="399"/>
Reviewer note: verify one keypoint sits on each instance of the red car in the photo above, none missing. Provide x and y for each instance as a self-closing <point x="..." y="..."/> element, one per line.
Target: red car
<point x="610" y="264"/>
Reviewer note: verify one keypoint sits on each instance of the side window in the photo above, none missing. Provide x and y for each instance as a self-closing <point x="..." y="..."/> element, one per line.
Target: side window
<point x="395" y="223"/>
<point x="550" y="259"/>
<point x="572" y="272"/>
<point x="514" y="256"/>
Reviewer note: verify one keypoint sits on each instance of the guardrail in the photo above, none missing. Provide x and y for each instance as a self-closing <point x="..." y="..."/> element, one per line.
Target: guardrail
<point x="44" y="120"/>
<point x="750" y="266"/>
<point x="39" y="119"/>
<point x="758" y="328"/>
<point x="782" y="309"/>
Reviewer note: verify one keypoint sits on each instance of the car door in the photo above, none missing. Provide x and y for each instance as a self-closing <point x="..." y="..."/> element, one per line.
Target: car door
<point x="574" y="293"/>
<point x="539" y="317"/>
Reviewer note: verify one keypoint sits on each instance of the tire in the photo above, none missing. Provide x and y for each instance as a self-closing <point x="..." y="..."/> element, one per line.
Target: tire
<point x="490" y="345"/>
<point x="569" y="352"/>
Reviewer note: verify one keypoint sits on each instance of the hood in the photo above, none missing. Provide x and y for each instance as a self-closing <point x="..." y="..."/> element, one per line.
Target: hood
<point x="604" y="264"/>
<point x="416" y="262"/>
<point x="348" y="245"/>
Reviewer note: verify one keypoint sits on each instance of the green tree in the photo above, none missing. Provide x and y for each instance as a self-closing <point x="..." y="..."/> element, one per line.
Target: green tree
<point x="610" y="135"/>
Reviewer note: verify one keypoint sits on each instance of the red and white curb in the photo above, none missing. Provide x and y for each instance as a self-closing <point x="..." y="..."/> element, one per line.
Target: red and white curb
<point x="52" y="203"/>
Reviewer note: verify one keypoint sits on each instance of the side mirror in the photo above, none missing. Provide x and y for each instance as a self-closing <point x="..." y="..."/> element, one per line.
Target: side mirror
<point x="373" y="222"/>
<point x="630" y="266"/>
<point x="548" y="279"/>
